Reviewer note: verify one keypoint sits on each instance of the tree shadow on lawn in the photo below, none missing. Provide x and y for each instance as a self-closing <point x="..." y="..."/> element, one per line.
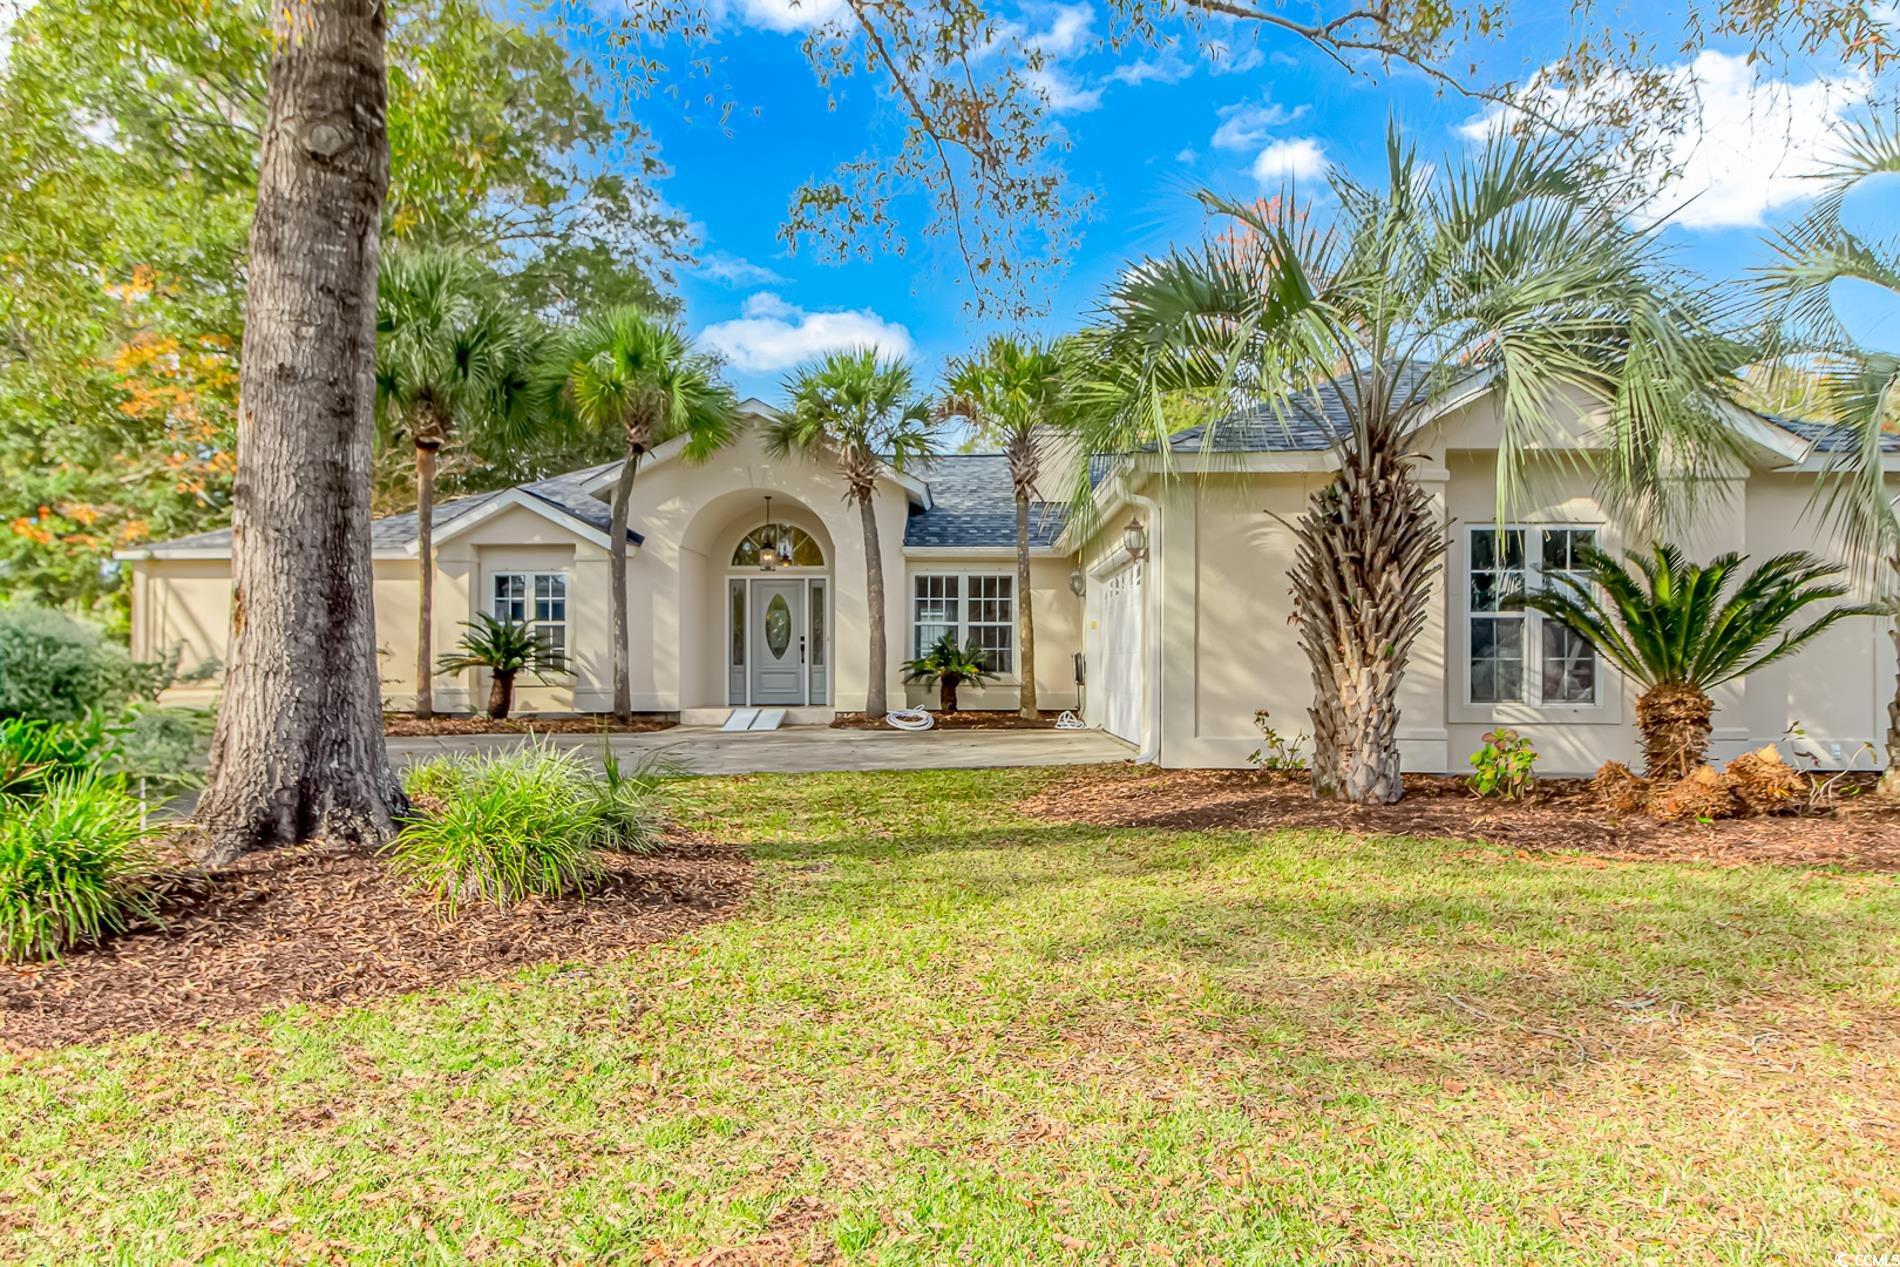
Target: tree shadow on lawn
<point x="1385" y="947"/>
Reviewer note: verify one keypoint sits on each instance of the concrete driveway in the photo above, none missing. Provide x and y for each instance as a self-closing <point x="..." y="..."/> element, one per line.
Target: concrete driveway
<point x="797" y="749"/>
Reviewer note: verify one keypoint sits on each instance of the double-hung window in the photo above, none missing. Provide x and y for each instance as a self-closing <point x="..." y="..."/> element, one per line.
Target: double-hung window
<point x="972" y="607"/>
<point x="1509" y="562"/>
<point x="536" y="599"/>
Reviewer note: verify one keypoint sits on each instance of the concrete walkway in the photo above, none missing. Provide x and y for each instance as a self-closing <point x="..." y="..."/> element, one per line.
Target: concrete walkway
<point x="797" y="749"/>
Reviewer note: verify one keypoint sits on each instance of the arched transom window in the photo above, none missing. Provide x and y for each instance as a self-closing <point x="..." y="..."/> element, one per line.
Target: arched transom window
<point x="794" y="547"/>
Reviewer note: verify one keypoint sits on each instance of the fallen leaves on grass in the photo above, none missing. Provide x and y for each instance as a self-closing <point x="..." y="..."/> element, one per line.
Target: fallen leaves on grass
<point x="1564" y="814"/>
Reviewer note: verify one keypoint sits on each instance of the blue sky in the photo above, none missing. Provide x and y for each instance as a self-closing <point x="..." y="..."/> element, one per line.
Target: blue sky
<point x="1147" y="128"/>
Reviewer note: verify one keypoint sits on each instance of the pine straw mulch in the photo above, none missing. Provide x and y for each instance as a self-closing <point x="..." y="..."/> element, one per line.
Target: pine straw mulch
<point x="407" y="727"/>
<point x="1858" y="832"/>
<point x="962" y="719"/>
<point x="323" y="928"/>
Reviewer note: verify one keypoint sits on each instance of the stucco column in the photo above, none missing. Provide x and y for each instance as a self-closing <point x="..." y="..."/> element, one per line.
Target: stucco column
<point x="1424" y="746"/>
<point x="455" y="603"/>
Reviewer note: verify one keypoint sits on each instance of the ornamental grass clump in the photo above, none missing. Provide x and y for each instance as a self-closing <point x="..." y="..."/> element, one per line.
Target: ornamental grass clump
<point x="508" y="827"/>
<point x="73" y="861"/>
<point x="621" y="806"/>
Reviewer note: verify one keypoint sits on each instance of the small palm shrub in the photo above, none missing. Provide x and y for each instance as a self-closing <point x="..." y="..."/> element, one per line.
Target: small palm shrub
<point x="1676" y="629"/>
<point x="506" y="649"/>
<point x="949" y="666"/>
<point x="71" y="860"/>
<point x="1503" y="765"/>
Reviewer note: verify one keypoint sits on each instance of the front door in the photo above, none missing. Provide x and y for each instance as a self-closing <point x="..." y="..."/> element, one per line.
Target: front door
<point x="778" y="642"/>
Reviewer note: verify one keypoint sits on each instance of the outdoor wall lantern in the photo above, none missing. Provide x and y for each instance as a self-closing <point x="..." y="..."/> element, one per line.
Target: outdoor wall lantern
<point x="1135" y="540"/>
<point x="1078" y="582"/>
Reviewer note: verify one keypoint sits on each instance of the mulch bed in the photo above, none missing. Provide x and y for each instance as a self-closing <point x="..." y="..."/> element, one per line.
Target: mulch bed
<point x="962" y="719"/>
<point x="1858" y="832"/>
<point x="327" y="929"/>
<point x="412" y="727"/>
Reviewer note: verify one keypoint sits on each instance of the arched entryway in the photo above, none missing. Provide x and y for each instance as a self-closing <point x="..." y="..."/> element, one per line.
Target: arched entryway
<point x="769" y="563"/>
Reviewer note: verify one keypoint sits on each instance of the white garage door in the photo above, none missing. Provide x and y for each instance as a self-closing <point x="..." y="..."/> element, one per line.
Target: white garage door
<point x="1114" y="657"/>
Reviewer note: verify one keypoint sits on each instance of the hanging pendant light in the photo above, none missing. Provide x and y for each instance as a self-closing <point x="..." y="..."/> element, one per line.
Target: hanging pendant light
<point x="768" y="553"/>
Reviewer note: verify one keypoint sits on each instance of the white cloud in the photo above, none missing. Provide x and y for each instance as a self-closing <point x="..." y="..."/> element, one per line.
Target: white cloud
<point x="1063" y="94"/>
<point x="734" y="270"/>
<point x="788" y="15"/>
<point x="1168" y="69"/>
<point x="1068" y="31"/>
<point x="1228" y="62"/>
<point x="1755" y="144"/>
<point x="1297" y="159"/>
<point x="1245" y="125"/>
<point x="1189" y="155"/>
<point x="772" y="334"/>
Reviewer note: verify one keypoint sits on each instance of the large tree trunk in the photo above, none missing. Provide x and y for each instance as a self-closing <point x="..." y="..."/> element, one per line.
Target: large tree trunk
<point x="947" y="692"/>
<point x="617" y="553"/>
<point x="298" y="752"/>
<point x="876" y="699"/>
<point x="425" y="588"/>
<point x="1367" y="548"/>
<point x="1674" y="723"/>
<point x="1025" y="620"/>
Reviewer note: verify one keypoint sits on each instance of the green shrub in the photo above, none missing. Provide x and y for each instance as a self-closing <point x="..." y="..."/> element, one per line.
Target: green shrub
<point x="35" y="753"/>
<point x="500" y="829"/>
<point x="1277" y="751"/>
<point x="70" y="863"/>
<point x="159" y="749"/>
<point x="59" y="668"/>
<point x="1503" y="766"/>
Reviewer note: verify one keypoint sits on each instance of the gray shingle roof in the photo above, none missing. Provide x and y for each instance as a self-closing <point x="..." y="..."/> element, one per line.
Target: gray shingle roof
<point x="1828" y="437"/>
<point x="568" y="493"/>
<point x="973" y="505"/>
<point x="398" y="532"/>
<point x="1304" y="422"/>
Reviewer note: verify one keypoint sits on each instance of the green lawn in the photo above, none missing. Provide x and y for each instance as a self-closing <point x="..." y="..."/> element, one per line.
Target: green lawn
<point x="944" y="1033"/>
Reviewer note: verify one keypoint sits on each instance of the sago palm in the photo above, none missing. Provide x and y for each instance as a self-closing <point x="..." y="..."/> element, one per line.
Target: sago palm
<point x="447" y="361"/>
<point x="947" y="666"/>
<point x="1013" y="393"/>
<point x="859" y="410"/>
<point x="507" y="649"/>
<point x="1510" y="268"/>
<point x="1678" y="632"/>
<point x="1845" y="382"/>
<point x="625" y="372"/>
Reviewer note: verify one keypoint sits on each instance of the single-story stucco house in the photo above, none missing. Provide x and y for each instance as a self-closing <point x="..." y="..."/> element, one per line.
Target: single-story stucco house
<point x="1171" y="636"/>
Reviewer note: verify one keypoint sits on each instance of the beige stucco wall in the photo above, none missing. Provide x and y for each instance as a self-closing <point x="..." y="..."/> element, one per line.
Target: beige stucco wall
<point x="1220" y="558"/>
<point x="1054" y="608"/>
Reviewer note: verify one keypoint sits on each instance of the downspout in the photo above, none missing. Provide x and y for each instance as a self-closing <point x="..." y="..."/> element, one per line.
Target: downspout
<point x="1150" y="753"/>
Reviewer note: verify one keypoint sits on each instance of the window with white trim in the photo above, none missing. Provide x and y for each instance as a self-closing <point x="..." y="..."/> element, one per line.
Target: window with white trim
<point x="537" y="599"/>
<point x="1503" y="563"/>
<point x="972" y="607"/>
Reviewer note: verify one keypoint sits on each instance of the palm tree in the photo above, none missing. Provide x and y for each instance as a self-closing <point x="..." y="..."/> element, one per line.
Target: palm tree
<point x="447" y="357"/>
<point x="1851" y="386"/>
<point x="1666" y="624"/>
<point x="629" y="373"/>
<point x="947" y="666"/>
<point x="860" y="410"/>
<point x="1511" y="268"/>
<point x="507" y="649"/>
<point x="1014" y="394"/>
